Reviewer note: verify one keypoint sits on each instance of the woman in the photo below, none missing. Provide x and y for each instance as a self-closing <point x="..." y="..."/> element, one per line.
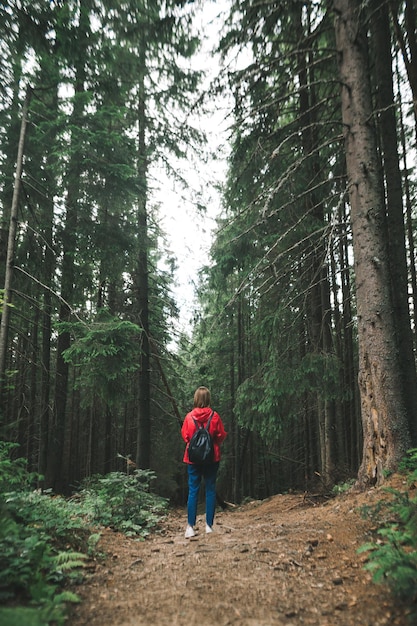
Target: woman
<point x="201" y="414"/>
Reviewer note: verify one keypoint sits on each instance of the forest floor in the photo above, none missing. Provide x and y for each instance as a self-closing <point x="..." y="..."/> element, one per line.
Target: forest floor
<point x="288" y="560"/>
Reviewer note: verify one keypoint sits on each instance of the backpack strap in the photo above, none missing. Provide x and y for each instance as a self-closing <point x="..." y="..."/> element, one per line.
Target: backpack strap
<point x="208" y="422"/>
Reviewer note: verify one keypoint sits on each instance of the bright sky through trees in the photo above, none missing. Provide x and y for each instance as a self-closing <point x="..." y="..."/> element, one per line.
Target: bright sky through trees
<point x="188" y="216"/>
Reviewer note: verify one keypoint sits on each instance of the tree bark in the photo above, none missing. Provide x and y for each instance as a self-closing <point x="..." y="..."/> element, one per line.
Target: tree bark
<point x="56" y="443"/>
<point x="387" y="126"/>
<point x="408" y="46"/>
<point x="48" y="271"/>
<point x="319" y="290"/>
<point x="143" y="449"/>
<point x="384" y="417"/>
<point x="351" y="409"/>
<point x="5" y="317"/>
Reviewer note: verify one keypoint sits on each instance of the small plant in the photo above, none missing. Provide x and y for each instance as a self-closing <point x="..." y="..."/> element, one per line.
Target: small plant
<point x="409" y="463"/>
<point x="37" y="555"/>
<point x="13" y="473"/>
<point x="45" y="539"/>
<point x="343" y="487"/>
<point x="393" y="556"/>
<point x="92" y="544"/>
<point x="123" y="502"/>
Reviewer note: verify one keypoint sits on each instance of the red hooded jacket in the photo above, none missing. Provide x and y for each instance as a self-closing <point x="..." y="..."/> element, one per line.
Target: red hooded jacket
<point x="216" y="429"/>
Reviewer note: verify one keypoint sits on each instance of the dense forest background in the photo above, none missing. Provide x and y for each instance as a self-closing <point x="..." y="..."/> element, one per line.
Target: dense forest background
<point x="304" y="328"/>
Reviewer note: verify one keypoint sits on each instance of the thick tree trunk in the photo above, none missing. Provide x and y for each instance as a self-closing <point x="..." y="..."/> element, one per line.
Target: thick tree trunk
<point x="242" y="434"/>
<point x="234" y="427"/>
<point x="384" y="418"/>
<point x="143" y="456"/>
<point x="387" y="125"/>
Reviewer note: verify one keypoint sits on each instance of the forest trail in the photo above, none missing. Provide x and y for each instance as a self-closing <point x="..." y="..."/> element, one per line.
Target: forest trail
<point x="287" y="561"/>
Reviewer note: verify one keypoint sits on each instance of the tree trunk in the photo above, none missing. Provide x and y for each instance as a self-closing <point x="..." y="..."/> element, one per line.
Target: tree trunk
<point x="384" y="418"/>
<point x="48" y="270"/>
<point x="341" y="423"/>
<point x="242" y="434"/>
<point x="4" y="324"/>
<point x="53" y="476"/>
<point x="33" y="421"/>
<point x="143" y="450"/>
<point x="319" y="291"/>
<point x="409" y="213"/>
<point x="351" y="408"/>
<point x="408" y="47"/>
<point x="234" y="427"/>
<point x="381" y="36"/>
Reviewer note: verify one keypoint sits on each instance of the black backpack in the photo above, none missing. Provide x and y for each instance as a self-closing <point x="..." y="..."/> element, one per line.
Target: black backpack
<point x="200" y="448"/>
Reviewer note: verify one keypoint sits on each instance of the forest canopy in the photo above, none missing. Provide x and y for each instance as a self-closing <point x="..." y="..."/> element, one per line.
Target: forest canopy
<point x="304" y="324"/>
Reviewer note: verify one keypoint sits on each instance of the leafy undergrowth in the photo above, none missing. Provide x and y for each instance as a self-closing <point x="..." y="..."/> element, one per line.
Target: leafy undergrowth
<point x="46" y="540"/>
<point x="393" y="552"/>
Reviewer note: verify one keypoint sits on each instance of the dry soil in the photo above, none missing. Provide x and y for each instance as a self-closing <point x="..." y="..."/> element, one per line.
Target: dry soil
<point x="290" y="560"/>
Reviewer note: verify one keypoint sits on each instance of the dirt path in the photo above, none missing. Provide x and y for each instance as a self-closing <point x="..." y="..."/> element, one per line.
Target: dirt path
<point x="280" y="561"/>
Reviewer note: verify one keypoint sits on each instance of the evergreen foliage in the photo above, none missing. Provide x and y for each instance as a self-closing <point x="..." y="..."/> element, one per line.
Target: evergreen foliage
<point x="45" y="539"/>
<point x="393" y="556"/>
<point x="271" y="295"/>
<point x="102" y="75"/>
<point x="91" y="380"/>
<point x="106" y="354"/>
<point x="95" y="372"/>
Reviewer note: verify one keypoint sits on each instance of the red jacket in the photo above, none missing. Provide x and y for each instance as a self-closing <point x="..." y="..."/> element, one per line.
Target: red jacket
<point x="216" y="429"/>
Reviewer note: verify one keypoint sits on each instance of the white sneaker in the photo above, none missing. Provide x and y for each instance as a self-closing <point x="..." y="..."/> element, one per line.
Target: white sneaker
<point x="208" y="529"/>
<point x="189" y="532"/>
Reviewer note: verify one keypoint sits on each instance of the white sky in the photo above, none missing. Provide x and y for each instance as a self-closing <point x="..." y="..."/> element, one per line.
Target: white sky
<point x="188" y="231"/>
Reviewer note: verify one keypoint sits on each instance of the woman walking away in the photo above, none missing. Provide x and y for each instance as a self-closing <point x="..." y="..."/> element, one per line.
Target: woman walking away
<point x="201" y="416"/>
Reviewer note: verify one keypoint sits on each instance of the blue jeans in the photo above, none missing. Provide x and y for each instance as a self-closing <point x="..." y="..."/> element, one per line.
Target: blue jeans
<point x="195" y="474"/>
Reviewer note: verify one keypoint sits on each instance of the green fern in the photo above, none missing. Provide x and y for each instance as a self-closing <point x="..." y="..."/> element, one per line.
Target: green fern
<point x="393" y="557"/>
<point x="67" y="596"/>
<point x="35" y="527"/>
<point x="69" y="560"/>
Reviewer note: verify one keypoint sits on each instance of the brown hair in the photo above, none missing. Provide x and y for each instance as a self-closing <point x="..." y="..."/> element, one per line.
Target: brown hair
<point x="201" y="398"/>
